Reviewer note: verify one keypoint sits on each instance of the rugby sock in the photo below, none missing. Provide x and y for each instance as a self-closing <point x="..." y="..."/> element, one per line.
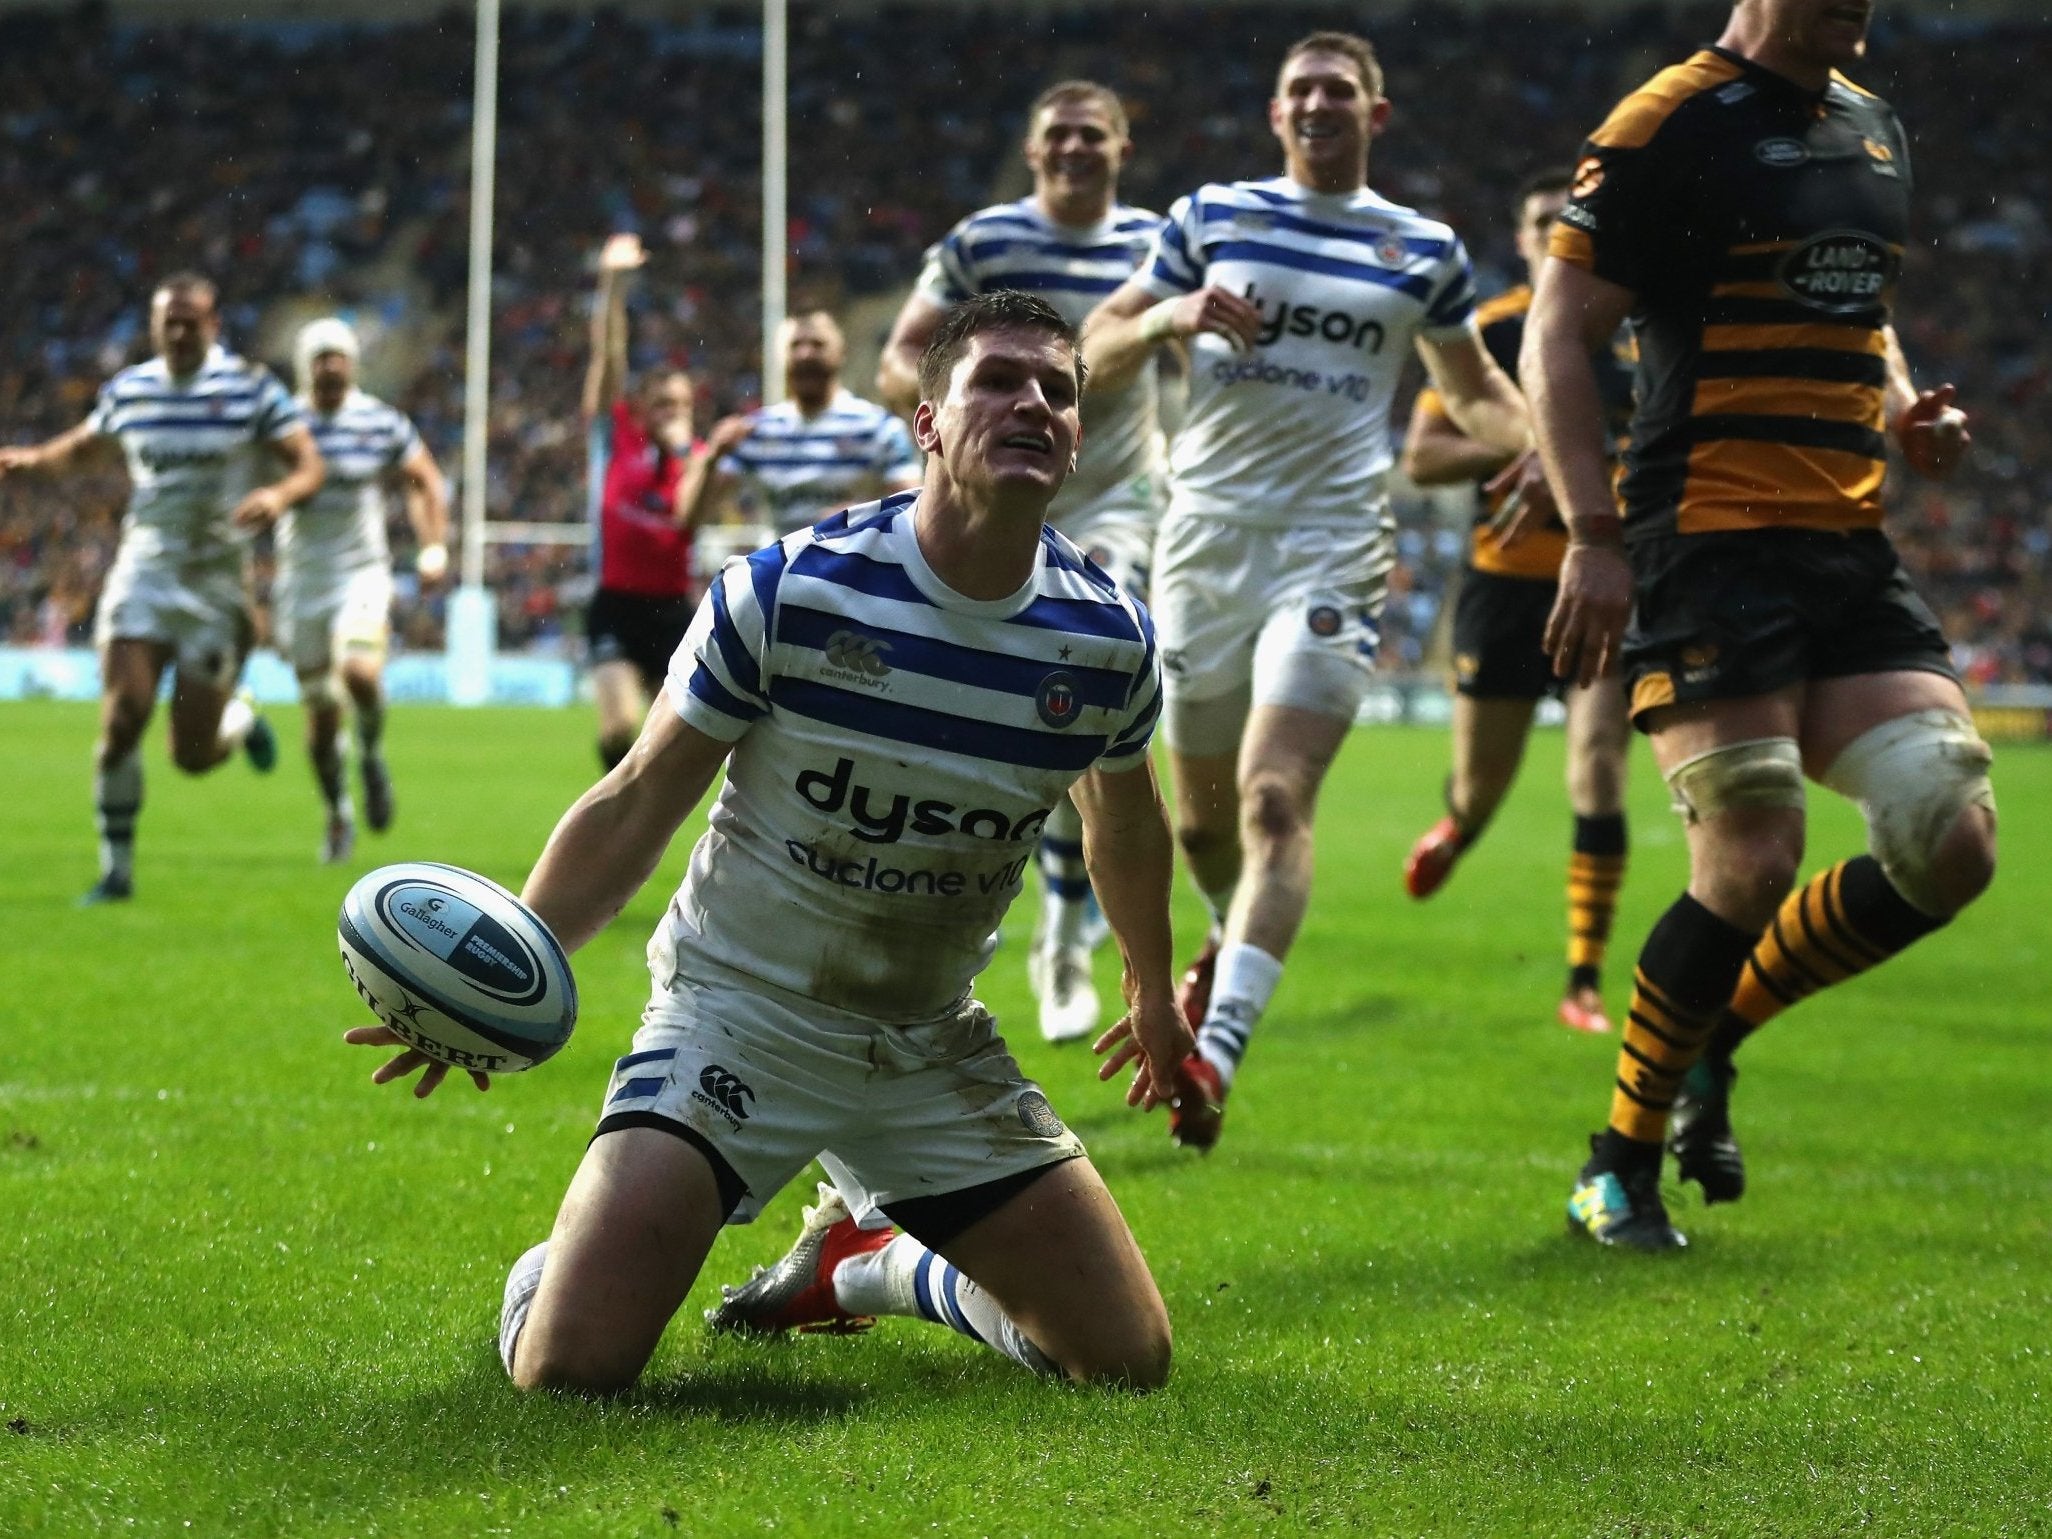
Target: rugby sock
<point x="1246" y="981"/>
<point x="1064" y="882"/>
<point x="1595" y="872"/>
<point x="237" y="717"/>
<point x="117" y="799"/>
<point x="328" y="768"/>
<point x="370" y="726"/>
<point x="1686" y="972"/>
<point x="1836" y="926"/>
<point x="522" y="1283"/>
<point x="905" y="1278"/>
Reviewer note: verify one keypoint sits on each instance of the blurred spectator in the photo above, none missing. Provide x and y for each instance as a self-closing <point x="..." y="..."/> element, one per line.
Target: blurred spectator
<point x="307" y="162"/>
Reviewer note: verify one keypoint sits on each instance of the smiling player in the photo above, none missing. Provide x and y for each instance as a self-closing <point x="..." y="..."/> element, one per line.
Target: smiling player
<point x="1301" y="298"/>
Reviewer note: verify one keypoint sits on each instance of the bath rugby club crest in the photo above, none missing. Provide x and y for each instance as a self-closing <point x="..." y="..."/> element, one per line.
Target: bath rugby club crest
<point x="1057" y="702"/>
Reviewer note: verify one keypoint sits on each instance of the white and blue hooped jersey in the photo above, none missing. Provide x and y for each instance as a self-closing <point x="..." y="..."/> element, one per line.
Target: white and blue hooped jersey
<point x="804" y="468"/>
<point x="341" y="528"/>
<point x="1298" y="428"/>
<point x="897" y="749"/>
<point x="1016" y="246"/>
<point x="194" y="448"/>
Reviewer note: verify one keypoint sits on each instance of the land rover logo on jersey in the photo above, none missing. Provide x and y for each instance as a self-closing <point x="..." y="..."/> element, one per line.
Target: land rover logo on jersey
<point x="1781" y="153"/>
<point x="1056" y="701"/>
<point x="1839" y="271"/>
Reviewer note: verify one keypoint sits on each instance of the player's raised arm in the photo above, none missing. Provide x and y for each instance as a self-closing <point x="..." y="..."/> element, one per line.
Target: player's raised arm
<point x="605" y="377"/>
<point x="1574" y="313"/>
<point x="610" y="842"/>
<point x="1122" y="334"/>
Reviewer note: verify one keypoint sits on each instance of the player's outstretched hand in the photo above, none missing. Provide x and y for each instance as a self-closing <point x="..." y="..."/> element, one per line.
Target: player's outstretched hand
<point x="16" y="457"/>
<point x="1527" y="500"/>
<point x="1154" y="1039"/>
<point x="1220" y="312"/>
<point x="1589" y="613"/>
<point x="405" y="1063"/>
<point x="1933" y="432"/>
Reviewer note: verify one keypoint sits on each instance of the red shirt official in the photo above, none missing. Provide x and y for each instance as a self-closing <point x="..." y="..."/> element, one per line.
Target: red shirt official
<point x="641" y="549"/>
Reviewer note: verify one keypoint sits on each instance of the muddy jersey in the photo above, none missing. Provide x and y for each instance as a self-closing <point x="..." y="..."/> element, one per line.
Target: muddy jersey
<point x="1539" y="554"/>
<point x="341" y="528"/>
<point x="1760" y="228"/>
<point x="1298" y="428"/>
<point x="195" y="447"/>
<point x="1016" y="246"/>
<point x="897" y="750"/>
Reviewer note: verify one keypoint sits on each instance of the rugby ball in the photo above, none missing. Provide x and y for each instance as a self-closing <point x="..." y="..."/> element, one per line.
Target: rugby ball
<point x="458" y="967"/>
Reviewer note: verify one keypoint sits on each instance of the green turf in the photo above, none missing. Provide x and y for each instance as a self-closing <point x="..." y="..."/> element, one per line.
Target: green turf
<point x="242" y="1292"/>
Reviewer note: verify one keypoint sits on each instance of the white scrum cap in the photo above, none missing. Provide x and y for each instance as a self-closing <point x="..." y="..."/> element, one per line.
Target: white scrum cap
<point x="330" y="334"/>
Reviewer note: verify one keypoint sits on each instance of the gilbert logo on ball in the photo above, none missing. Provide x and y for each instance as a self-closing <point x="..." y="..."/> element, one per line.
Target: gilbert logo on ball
<point x="457" y="967"/>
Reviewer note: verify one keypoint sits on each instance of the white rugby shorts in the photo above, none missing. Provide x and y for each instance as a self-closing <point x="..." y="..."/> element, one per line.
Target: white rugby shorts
<point x="198" y="610"/>
<point x="1116" y="530"/>
<point x="1268" y="614"/>
<point x="316" y="619"/>
<point x="894" y="1112"/>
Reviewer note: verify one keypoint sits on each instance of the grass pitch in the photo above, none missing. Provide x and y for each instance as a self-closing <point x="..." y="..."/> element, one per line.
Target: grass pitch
<point x="244" y="1292"/>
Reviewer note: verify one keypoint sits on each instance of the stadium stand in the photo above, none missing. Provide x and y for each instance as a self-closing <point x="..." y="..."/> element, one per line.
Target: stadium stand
<point x="312" y="164"/>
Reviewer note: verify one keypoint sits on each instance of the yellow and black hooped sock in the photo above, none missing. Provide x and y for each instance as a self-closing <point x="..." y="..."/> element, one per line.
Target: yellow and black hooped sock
<point x="1836" y="926"/>
<point x="1687" y="970"/>
<point x="1595" y="873"/>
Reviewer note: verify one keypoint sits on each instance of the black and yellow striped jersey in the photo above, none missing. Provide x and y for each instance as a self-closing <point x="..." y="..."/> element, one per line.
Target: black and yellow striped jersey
<point x="1760" y="228"/>
<point x="1539" y="554"/>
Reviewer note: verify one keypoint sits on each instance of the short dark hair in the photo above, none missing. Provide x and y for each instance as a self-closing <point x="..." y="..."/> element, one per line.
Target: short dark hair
<point x="188" y="282"/>
<point x="1062" y="92"/>
<point x="1349" y="45"/>
<point x="999" y="310"/>
<point x="1545" y="179"/>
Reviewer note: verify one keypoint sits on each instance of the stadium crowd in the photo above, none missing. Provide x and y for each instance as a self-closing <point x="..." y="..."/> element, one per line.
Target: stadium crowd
<point x="311" y="165"/>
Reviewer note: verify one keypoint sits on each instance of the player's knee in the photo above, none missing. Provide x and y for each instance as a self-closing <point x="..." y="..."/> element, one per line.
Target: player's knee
<point x="1965" y="863"/>
<point x="1274" y="808"/>
<point x="1596" y="783"/>
<point x="1922" y="782"/>
<point x="195" y="758"/>
<point x="1140" y="1359"/>
<point x="122" y="729"/>
<point x="1744" y="866"/>
<point x="1202" y="842"/>
<point x="552" y="1361"/>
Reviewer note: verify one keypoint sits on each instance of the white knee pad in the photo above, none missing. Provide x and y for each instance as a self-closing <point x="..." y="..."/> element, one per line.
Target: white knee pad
<point x="1202" y="729"/>
<point x="319" y="689"/>
<point x="1761" y="772"/>
<point x="1913" y="777"/>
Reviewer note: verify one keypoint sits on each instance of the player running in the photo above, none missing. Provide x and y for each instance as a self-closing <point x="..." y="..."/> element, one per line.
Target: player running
<point x="640" y="443"/>
<point x="1748" y="208"/>
<point x="331" y="604"/>
<point x="1501" y="670"/>
<point x="815" y="452"/>
<point x="1071" y="242"/>
<point x="811" y="980"/>
<point x="1301" y="298"/>
<point x="197" y="426"/>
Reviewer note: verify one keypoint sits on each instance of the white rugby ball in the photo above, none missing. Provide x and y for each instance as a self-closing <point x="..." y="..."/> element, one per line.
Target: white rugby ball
<point x="458" y="967"/>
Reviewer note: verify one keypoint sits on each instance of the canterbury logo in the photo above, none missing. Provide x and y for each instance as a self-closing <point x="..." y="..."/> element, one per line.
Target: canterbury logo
<point x="726" y="1090"/>
<point x="856" y="653"/>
